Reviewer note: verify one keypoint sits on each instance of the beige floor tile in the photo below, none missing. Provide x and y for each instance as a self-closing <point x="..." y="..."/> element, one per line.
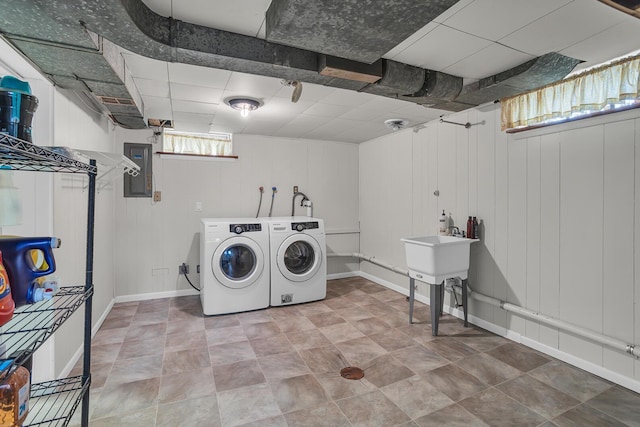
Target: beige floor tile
<point x="454" y="382"/>
<point x="340" y="388"/>
<point x="225" y="335"/>
<point x="488" y="369"/>
<point x="187" y="385"/>
<point x="308" y="339"/>
<point x="201" y="412"/>
<point x="139" y="368"/>
<point x="284" y="365"/>
<point x="451" y="416"/>
<point x="143" y="418"/>
<point x="185" y="360"/>
<point x="145" y="332"/>
<point x="360" y="351"/>
<point x="619" y="403"/>
<point x="126" y="398"/>
<point x="518" y="356"/>
<point x="496" y="408"/>
<point x="324" y="359"/>
<point x="277" y="421"/>
<point x="140" y="348"/>
<point x="238" y="374"/>
<point x="325" y="319"/>
<point x="586" y="416"/>
<point x="573" y="381"/>
<point x="297" y="393"/>
<point x="186" y="341"/>
<point x="534" y="394"/>
<point x="385" y="370"/>
<point x="419" y="359"/>
<point x="222" y="354"/>
<point x="185" y="326"/>
<point x="261" y="330"/>
<point x="247" y="404"/>
<point x="372" y="409"/>
<point x="324" y="415"/>
<point x="392" y="339"/>
<point x="416" y="396"/>
<point x="341" y="332"/>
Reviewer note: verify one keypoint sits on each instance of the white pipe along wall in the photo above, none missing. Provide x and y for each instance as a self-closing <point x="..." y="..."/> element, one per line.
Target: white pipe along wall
<point x="516" y="309"/>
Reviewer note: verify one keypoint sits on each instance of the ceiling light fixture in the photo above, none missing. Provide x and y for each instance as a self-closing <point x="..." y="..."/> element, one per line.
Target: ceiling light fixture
<point x="396" y="124"/>
<point x="244" y="105"/>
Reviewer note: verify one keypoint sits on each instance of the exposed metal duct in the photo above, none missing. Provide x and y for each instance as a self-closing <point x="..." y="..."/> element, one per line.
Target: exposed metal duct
<point x="72" y="44"/>
<point x="359" y="30"/>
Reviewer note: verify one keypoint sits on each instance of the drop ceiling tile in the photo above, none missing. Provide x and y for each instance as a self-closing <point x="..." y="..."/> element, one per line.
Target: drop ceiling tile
<point x="495" y="19"/>
<point x="310" y="92"/>
<point x="253" y="86"/>
<point x="491" y="60"/>
<point x="442" y="48"/>
<point x="330" y="129"/>
<point x="300" y="125"/>
<point x="261" y="127"/>
<point x="347" y="98"/>
<point x="362" y="132"/>
<point x="566" y="26"/>
<point x="196" y="93"/>
<point x="157" y="108"/>
<point x="444" y="16"/>
<point x="152" y="87"/>
<point x="326" y="110"/>
<point x="161" y="7"/>
<point x="393" y="53"/>
<point x="198" y="76"/>
<point x="189" y="126"/>
<point x="619" y="40"/>
<point x="238" y="16"/>
<point x="183" y="116"/>
<point x="281" y="107"/>
<point x="194" y="107"/>
<point x="146" y="68"/>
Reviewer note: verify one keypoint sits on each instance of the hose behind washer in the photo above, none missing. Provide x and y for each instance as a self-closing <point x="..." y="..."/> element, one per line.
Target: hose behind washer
<point x="260" y="204"/>
<point x="274" y="190"/>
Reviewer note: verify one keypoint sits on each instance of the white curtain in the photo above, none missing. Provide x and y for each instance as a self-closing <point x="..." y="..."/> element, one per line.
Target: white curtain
<point x="593" y="90"/>
<point x="215" y="144"/>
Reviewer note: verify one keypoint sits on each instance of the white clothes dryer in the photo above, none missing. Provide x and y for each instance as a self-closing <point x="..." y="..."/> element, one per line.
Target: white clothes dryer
<point x="298" y="260"/>
<point x="234" y="265"/>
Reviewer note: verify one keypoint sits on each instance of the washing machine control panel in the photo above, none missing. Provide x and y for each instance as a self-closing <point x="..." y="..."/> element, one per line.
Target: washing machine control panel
<point x="241" y="228"/>
<point x="300" y="226"/>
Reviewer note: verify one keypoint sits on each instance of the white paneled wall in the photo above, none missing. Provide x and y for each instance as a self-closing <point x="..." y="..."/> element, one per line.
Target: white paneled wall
<point x="153" y="239"/>
<point x="560" y="222"/>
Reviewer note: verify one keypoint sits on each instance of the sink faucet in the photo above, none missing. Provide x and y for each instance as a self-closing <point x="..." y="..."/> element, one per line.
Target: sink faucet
<point x="293" y="201"/>
<point x="455" y="231"/>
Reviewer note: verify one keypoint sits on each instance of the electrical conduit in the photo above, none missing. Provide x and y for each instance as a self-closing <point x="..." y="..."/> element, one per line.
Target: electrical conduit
<point x="516" y="309"/>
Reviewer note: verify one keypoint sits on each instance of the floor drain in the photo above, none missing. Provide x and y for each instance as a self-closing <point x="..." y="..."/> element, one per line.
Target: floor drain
<point x="352" y="373"/>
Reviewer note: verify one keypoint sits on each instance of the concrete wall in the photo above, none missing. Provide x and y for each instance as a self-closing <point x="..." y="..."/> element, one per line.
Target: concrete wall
<point x="560" y="222"/>
<point x="154" y="238"/>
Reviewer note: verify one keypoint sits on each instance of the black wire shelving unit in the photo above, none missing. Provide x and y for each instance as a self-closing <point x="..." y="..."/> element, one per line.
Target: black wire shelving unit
<point x="51" y="403"/>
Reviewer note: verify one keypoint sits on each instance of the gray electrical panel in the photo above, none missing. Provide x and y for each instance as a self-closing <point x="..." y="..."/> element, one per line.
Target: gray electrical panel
<point x="139" y="186"/>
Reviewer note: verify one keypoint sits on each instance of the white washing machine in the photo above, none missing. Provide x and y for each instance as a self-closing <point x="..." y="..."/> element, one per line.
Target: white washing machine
<point x="234" y="265"/>
<point x="298" y="260"/>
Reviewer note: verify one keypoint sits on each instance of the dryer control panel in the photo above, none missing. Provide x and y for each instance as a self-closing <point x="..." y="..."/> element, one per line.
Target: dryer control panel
<point x="300" y="226"/>
<point x="241" y="228"/>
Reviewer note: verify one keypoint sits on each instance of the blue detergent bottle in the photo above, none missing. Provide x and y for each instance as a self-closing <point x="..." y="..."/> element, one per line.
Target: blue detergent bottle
<point x="18" y="257"/>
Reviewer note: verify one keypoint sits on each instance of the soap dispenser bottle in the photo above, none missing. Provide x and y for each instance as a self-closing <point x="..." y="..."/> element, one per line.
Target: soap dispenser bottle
<point x="443" y="224"/>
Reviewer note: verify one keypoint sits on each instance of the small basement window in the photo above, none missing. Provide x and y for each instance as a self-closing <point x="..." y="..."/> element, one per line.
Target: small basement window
<point x="197" y="144"/>
<point x="602" y="90"/>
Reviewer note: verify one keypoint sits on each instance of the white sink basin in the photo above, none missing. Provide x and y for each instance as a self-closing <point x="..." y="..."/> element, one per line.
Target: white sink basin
<point x="432" y="259"/>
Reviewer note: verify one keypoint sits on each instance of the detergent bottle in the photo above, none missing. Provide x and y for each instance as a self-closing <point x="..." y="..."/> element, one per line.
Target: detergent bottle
<point x="6" y="301"/>
<point x="23" y="271"/>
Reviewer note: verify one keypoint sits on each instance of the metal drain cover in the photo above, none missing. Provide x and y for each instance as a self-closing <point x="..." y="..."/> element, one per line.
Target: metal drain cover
<point x="352" y="373"/>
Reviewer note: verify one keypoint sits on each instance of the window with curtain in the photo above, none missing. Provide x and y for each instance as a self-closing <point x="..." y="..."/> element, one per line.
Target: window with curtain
<point x="200" y="144"/>
<point x="609" y="87"/>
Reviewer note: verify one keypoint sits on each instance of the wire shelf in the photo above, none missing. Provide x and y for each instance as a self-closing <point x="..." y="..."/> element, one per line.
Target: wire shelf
<point x="53" y="403"/>
<point x="23" y="155"/>
<point x="33" y="324"/>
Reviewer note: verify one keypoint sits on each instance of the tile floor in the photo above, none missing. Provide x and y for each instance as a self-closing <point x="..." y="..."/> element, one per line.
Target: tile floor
<point x="160" y="362"/>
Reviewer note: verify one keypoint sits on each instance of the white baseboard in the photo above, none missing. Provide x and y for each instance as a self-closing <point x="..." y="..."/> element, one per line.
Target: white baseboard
<point x="600" y="371"/>
<point x="344" y="275"/>
<point x="76" y="356"/>
<point x="156" y="295"/>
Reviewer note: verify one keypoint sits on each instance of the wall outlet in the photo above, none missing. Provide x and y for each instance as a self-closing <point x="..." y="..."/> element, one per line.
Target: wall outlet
<point x="183" y="268"/>
<point x="157" y="196"/>
<point x="198" y="207"/>
<point x="295" y="188"/>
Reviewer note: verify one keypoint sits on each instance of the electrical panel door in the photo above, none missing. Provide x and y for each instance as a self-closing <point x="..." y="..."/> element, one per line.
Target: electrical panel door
<point x="141" y="185"/>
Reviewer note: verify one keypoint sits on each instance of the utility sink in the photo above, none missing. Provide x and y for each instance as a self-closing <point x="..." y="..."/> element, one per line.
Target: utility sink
<point x="432" y="259"/>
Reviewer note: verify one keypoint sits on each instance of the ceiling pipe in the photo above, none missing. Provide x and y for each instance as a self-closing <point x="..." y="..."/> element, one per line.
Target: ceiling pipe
<point x="56" y="37"/>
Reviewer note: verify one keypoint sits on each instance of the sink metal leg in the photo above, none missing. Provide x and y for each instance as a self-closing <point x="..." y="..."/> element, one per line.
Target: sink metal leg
<point x="464" y="302"/>
<point x="435" y="298"/>
<point x="412" y="294"/>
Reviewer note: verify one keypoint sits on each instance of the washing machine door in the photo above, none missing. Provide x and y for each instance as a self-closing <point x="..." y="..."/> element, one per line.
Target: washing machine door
<point x="299" y="257"/>
<point x="237" y="262"/>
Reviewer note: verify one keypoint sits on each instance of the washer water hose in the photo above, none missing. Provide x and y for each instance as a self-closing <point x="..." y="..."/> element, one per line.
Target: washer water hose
<point x="260" y="204"/>
<point x="274" y="190"/>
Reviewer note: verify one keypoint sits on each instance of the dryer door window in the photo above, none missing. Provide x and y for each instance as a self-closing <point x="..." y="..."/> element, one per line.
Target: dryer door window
<point x="238" y="262"/>
<point x="299" y="257"/>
